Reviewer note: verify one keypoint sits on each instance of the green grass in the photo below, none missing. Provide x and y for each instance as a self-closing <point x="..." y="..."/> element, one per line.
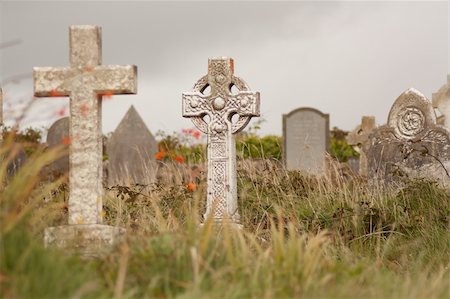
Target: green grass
<point x="303" y="237"/>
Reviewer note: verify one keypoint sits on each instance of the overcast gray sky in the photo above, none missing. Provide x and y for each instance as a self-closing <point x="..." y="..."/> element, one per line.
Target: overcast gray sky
<point x="347" y="59"/>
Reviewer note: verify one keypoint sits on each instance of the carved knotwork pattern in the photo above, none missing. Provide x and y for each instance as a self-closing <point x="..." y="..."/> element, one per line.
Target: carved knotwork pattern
<point x="196" y="105"/>
<point x="219" y="188"/>
<point x="436" y="136"/>
<point x="410" y="122"/>
<point x="219" y="149"/>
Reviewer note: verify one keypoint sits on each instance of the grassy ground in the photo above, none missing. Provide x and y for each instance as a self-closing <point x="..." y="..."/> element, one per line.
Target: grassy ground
<point x="302" y="238"/>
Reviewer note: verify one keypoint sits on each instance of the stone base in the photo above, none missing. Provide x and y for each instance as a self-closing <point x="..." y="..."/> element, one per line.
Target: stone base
<point x="88" y="240"/>
<point x="220" y="224"/>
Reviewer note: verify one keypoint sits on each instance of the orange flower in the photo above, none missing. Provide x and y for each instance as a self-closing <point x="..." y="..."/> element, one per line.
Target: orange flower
<point x="191" y="187"/>
<point x="66" y="140"/>
<point x="55" y="93"/>
<point x="160" y="155"/>
<point x="179" y="159"/>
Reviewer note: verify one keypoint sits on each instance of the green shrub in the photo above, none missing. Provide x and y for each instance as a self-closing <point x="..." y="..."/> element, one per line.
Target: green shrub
<point x="255" y="147"/>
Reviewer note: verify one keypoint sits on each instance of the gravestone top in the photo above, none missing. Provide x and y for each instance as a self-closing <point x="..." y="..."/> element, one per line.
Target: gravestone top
<point x="86" y="81"/>
<point x="441" y="101"/>
<point x="306" y="138"/>
<point x="360" y="135"/>
<point x="58" y="134"/>
<point x="410" y="144"/>
<point x="131" y="152"/>
<point x="411" y="115"/>
<point x="220" y="105"/>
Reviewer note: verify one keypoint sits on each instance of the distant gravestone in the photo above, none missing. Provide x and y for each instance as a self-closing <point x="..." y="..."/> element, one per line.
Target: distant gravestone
<point x="306" y="134"/>
<point x="441" y="101"/>
<point x="220" y="105"/>
<point x="354" y="164"/>
<point x="410" y="144"/>
<point x="85" y="82"/>
<point x="359" y="139"/>
<point x="131" y="152"/>
<point x="58" y="134"/>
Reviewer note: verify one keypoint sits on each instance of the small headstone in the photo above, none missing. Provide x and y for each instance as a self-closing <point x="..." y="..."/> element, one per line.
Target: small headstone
<point x="85" y="82"/>
<point x="19" y="160"/>
<point x="354" y="164"/>
<point x="131" y="152"/>
<point x="58" y="135"/>
<point x="220" y="105"/>
<point x="410" y="144"/>
<point x="441" y="101"/>
<point x="306" y="135"/>
<point x="359" y="138"/>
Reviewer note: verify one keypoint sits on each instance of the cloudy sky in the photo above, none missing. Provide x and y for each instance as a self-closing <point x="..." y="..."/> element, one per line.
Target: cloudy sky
<point x="347" y="59"/>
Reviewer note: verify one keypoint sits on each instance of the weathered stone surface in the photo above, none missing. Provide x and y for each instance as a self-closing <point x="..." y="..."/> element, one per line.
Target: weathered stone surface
<point x="410" y="144"/>
<point x="359" y="138"/>
<point x="58" y="135"/>
<point x="441" y="101"/>
<point x="91" y="240"/>
<point x="131" y="152"/>
<point x="85" y="82"/>
<point x="306" y="134"/>
<point x="220" y="105"/>
<point x="354" y="164"/>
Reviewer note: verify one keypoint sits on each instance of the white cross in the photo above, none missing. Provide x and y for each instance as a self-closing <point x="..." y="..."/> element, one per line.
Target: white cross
<point x="220" y="106"/>
<point x="84" y="82"/>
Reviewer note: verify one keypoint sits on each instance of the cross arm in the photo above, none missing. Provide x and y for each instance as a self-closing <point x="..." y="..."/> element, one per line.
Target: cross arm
<point x="195" y="104"/>
<point x="246" y="103"/>
<point x="50" y="81"/>
<point x="115" y="79"/>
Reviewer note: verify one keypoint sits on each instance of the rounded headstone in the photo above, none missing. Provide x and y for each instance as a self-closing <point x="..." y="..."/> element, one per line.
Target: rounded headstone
<point x="58" y="134"/>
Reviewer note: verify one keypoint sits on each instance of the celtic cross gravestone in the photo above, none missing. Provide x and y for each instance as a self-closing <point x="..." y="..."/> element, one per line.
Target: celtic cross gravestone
<point x="359" y="137"/>
<point x="212" y="113"/>
<point x="84" y="82"/>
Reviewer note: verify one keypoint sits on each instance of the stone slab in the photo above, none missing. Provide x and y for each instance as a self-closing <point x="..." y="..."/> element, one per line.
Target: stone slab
<point x="306" y="138"/>
<point x="88" y="240"/>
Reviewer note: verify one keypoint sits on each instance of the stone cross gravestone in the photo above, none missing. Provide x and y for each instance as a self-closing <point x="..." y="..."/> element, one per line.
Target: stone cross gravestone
<point x="57" y="135"/>
<point x="441" y="101"/>
<point x="306" y="135"/>
<point x="220" y="105"/>
<point x="85" y="81"/>
<point x="410" y="144"/>
<point x="131" y="152"/>
<point x="359" y="138"/>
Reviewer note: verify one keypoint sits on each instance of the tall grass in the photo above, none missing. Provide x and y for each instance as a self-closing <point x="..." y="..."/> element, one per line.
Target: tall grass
<point x="303" y="237"/>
